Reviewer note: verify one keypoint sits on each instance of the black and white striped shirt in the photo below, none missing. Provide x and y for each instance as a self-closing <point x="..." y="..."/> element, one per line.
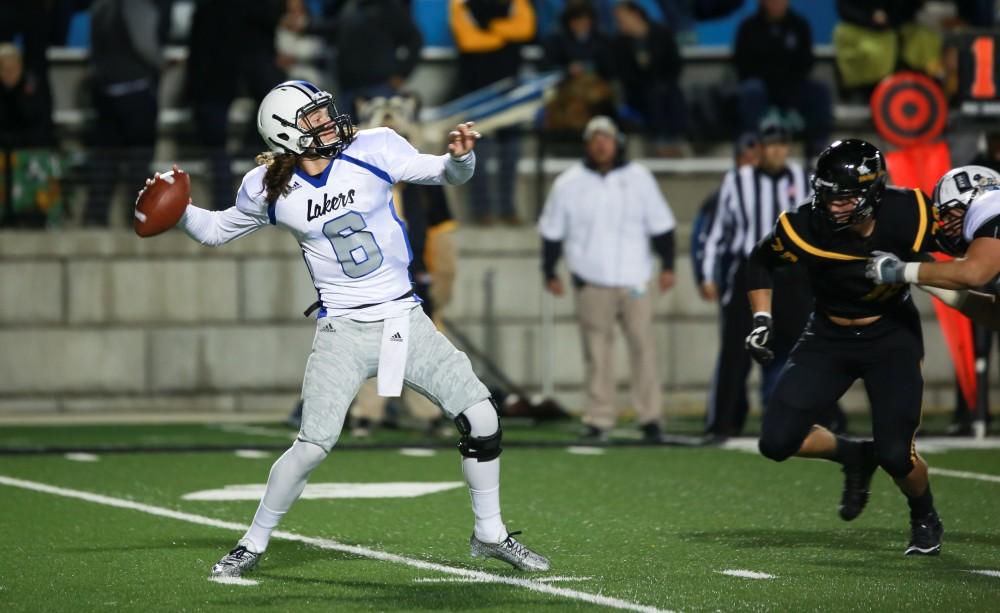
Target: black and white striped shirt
<point x="750" y="202"/>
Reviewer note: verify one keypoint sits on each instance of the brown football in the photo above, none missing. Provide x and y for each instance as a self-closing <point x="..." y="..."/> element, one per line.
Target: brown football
<point x="160" y="206"/>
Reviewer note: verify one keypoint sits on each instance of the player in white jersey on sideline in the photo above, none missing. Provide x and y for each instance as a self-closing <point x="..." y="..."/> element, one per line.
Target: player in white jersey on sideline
<point x="330" y="186"/>
<point x="967" y="208"/>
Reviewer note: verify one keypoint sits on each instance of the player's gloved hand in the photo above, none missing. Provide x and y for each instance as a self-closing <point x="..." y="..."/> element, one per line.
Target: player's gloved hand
<point x="759" y="340"/>
<point x="885" y="268"/>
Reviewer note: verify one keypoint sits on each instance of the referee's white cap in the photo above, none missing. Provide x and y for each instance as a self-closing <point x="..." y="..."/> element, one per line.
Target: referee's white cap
<point x="600" y="123"/>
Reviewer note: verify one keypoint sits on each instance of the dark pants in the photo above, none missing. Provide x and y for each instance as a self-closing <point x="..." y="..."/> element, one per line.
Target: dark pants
<point x="663" y="109"/>
<point x="211" y="119"/>
<point x="123" y="142"/>
<point x="492" y="186"/>
<point x="886" y="355"/>
<point x="983" y="347"/>
<point x="811" y="99"/>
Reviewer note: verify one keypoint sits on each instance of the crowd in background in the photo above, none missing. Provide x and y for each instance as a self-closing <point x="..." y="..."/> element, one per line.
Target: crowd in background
<point x="618" y="58"/>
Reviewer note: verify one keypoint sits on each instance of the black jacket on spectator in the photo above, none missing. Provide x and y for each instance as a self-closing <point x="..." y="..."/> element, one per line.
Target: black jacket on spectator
<point x="231" y="45"/>
<point x="779" y="53"/>
<point x="25" y="115"/>
<point x="562" y="49"/>
<point x="655" y="57"/>
<point x="859" y="12"/>
<point x="375" y="39"/>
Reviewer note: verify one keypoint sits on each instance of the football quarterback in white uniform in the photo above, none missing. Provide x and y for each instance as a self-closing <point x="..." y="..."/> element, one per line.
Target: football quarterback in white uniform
<point x="330" y="186"/>
<point x="967" y="209"/>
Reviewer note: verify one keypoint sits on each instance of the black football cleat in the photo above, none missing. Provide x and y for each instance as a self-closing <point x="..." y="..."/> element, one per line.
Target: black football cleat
<point x="925" y="536"/>
<point x="857" y="482"/>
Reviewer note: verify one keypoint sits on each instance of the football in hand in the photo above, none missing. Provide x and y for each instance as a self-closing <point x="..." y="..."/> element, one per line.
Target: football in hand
<point x="161" y="204"/>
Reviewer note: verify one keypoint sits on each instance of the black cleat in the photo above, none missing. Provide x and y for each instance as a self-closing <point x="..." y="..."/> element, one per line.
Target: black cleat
<point x="651" y="432"/>
<point x="925" y="536"/>
<point x="857" y="482"/>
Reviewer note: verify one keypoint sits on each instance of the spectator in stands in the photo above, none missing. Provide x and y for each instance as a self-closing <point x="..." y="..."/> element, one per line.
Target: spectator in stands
<point x="608" y="213"/>
<point x="300" y="53"/>
<point x="773" y="57"/>
<point x="877" y="37"/>
<point x="584" y="55"/>
<point x="216" y="75"/>
<point x="489" y="35"/>
<point x="378" y="46"/>
<point x="25" y="113"/>
<point x="25" y="124"/>
<point x="648" y="65"/>
<point x="126" y="57"/>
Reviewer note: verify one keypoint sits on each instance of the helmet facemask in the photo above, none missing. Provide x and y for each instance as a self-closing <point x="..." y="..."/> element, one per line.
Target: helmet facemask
<point x="869" y="197"/>
<point x="318" y="121"/>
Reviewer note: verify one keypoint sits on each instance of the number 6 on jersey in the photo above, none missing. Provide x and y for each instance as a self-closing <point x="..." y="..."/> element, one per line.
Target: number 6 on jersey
<point x="347" y="235"/>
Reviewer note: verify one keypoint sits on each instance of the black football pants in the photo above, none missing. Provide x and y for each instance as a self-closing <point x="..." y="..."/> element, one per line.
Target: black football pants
<point x="886" y="355"/>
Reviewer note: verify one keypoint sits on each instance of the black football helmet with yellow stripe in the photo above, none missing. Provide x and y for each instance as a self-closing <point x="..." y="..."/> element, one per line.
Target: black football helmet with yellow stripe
<point x="847" y="169"/>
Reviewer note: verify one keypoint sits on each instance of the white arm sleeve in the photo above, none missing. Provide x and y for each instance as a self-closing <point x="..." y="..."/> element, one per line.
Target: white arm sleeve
<point x="405" y="163"/>
<point x="214" y="228"/>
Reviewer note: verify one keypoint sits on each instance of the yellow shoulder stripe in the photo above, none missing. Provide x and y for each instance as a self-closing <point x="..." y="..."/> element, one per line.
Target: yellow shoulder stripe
<point x="922" y="227"/>
<point x="801" y="244"/>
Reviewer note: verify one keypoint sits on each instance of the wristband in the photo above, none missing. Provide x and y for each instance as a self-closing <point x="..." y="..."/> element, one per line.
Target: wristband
<point x="911" y="272"/>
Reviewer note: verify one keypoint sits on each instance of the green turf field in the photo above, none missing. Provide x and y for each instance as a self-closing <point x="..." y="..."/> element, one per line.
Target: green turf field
<point x="646" y="528"/>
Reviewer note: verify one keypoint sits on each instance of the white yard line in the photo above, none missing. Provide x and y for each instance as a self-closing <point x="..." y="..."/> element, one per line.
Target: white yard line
<point x="533" y="585"/>
<point x="465" y="580"/>
<point x="581" y="450"/>
<point x="81" y="457"/>
<point x="417" y="452"/>
<point x="252" y="454"/>
<point x="745" y="574"/>
<point x="964" y="474"/>
<point x="988" y="573"/>
<point x="233" y="581"/>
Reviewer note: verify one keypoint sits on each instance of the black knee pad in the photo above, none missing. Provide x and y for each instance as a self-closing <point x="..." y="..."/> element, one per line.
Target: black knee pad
<point x="774" y="449"/>
<point x="895" y="460"/>
<point x="482" y="448"/>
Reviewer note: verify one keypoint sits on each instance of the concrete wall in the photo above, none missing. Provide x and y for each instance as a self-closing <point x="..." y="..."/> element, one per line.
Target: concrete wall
<point x="94" y="321"/>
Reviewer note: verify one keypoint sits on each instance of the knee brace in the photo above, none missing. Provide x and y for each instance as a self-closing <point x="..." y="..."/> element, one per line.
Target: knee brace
<point x="473" y="442"/>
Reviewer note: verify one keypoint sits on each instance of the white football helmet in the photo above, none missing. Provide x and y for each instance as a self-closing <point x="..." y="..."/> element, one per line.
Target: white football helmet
<point x="297" y="117"/>
<point x="953" y="194"/>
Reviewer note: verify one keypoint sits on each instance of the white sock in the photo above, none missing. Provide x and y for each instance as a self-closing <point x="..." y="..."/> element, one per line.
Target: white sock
<point x="264" y="522"/>
<point x="484" y="487"/>
<point x="284" y="485"/>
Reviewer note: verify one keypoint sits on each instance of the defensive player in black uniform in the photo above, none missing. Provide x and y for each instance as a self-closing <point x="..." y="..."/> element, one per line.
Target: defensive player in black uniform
<point x="857" y="330"/>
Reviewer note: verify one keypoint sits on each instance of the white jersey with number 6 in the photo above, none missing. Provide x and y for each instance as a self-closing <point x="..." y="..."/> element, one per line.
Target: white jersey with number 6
<point x="353" y="243"/>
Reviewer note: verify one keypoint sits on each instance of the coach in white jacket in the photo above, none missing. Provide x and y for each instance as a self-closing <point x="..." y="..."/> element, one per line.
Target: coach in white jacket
<point x="612" y="218"/>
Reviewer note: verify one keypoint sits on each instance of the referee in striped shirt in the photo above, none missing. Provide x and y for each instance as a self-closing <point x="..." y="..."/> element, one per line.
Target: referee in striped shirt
<point x="750" y="201"/>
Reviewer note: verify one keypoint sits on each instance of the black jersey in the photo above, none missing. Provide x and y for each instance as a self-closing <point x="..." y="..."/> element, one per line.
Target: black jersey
<point x="835" y="261"/>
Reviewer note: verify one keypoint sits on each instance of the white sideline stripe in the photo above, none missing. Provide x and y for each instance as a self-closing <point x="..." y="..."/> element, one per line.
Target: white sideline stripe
<point x="257" y="430"/>
<point x="417" y="452"/>
<point x="528" y="584"/>
<point x="963" y="474"/>
<point x="585" y="450"/>
<point x="745" y="574"/>
<point x="233" y="581"/>
<point x="465" y="580"/>
<point x="988" y="573"/>
<point x="81" y="457"/>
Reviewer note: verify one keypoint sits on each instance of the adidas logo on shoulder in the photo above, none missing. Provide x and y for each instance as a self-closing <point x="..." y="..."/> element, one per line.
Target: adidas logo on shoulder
<point x="396" y="337"/>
